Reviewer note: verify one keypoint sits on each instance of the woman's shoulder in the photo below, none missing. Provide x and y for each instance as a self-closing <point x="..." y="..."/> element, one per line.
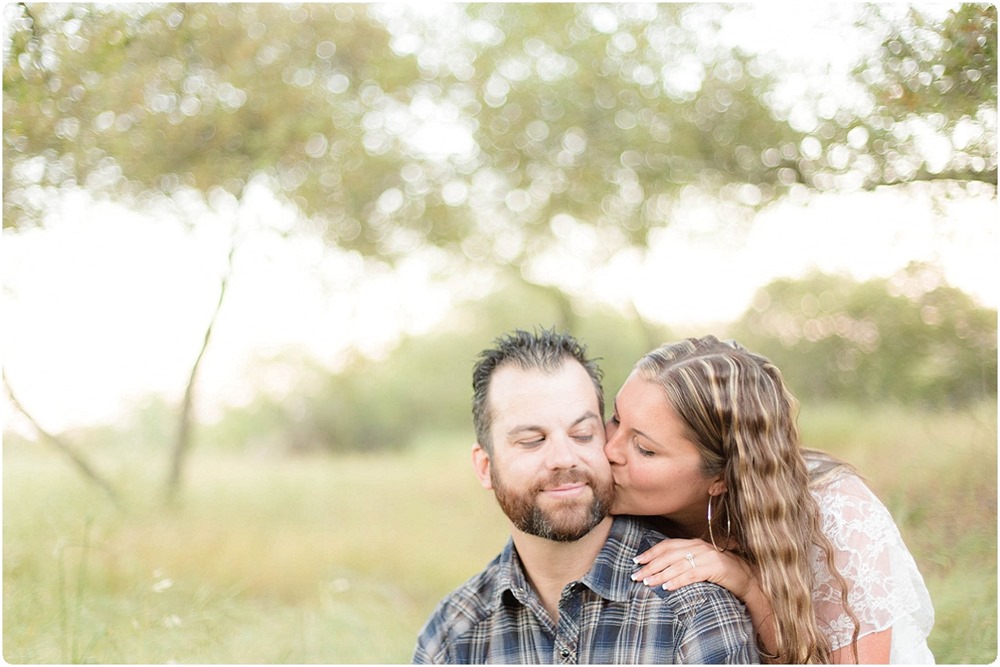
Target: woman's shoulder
<point x="841" y="490"/>
<point x="843" y="495"/>
<point x="824" y="469"/>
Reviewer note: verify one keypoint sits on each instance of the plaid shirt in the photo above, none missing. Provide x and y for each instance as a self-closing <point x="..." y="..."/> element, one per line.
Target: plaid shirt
<point x="605" y="617"/>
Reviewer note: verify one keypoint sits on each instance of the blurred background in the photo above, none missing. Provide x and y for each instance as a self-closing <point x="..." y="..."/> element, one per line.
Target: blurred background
<point x="251" y="251"/>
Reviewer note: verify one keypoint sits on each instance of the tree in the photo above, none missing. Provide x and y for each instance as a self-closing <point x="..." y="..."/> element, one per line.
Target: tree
<point x="142" y="102"/>
<point x="933" y="85"/>
<point x="607" y="113"/>
<point x="600" y="112"/>
<point x="154" y="104"/>
<point x="601" y="119"/>
<point x="910" y="337"/>
<point x="564" y="117"/>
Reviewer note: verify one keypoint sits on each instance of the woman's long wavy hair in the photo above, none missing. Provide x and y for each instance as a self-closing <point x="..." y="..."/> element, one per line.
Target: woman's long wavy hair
<point x="742" y="419"/>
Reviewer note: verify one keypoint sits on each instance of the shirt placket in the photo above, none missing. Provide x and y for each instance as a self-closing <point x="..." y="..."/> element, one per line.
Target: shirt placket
<point x="568" y="630"/>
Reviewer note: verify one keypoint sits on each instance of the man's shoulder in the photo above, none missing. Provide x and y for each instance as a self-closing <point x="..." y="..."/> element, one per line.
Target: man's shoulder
<point x="688" y="599"/>
<point x="472" y="599"/>
<point x="701" y="622"/>
<point x="699" y="597"/>
<point x="459" y="612"/>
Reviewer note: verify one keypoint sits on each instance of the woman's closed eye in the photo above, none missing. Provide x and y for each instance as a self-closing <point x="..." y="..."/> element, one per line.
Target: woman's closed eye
<point x="642" y="451"/>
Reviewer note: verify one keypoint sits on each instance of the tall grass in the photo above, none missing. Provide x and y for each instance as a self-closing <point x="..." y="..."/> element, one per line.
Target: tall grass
<point x="340" y="560"/>
<point x="937" y="474"/>
<point x="267" y="561"/>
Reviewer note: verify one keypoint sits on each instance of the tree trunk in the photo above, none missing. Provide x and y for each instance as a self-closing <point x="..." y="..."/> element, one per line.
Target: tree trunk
<point x="182" y="443"/>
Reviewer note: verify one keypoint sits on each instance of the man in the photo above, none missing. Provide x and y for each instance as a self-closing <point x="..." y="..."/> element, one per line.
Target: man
<point x="561" y="592"/>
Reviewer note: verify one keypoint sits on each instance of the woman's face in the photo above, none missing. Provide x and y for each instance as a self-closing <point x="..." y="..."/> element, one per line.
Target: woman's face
<point x="657" y="470"/>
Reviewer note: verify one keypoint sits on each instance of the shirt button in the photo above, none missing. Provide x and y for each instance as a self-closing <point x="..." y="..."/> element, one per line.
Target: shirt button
<point x="565" y="652"/>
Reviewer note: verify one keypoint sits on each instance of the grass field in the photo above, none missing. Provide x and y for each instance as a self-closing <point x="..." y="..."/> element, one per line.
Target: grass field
<point x="340" y="560"/>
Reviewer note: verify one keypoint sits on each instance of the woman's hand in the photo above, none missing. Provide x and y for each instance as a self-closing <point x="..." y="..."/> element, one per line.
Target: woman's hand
<point x="669" y="564"/>
<point x="674" y="563"/>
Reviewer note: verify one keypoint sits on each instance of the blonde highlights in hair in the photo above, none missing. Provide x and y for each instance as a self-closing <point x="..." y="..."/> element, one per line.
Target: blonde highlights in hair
<point x="742" y="419"/>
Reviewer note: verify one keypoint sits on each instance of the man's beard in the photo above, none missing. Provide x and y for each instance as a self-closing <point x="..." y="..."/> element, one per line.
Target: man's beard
<point x="569" y="520"/>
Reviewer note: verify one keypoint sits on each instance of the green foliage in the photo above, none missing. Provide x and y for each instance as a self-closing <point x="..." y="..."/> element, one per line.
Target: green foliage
<point x="910" y="338"/>
<point x="925" y="65"/>
<point x="604" y="113"/>
<point x="340" y="560"/>
<point x="581" y="115"/>
<point x="936" y="73"/>
<point x="153" y="101"/>
<point x="425" y="384"/>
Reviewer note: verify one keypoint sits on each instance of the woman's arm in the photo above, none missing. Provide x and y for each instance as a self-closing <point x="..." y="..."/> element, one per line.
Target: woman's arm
<point x="886" y="591"/>
<point x="873" y="649"/>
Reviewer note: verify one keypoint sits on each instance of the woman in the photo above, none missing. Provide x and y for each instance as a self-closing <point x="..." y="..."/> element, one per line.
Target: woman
<point x="704" y="438"/>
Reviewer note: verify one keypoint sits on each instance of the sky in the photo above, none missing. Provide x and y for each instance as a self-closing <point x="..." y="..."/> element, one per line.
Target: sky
<point x="105" y="305"/>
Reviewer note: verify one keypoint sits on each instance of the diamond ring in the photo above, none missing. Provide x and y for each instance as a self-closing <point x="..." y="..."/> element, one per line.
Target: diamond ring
<point x="690" y="559"/>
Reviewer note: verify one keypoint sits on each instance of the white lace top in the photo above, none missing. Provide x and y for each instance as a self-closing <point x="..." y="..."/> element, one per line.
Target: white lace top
<point x="886" y="589"/>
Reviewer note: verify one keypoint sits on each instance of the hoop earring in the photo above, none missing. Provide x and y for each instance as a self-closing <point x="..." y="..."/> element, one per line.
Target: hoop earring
<point x="729" y="527"/>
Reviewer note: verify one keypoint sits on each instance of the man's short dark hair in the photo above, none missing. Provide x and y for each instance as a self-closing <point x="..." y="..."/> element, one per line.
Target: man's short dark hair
<point x="544" y="350"/>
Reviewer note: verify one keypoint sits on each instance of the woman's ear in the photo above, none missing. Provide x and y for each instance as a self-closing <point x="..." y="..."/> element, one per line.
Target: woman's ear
<point x="481" y="464"/>
<point x="717" y="488"/>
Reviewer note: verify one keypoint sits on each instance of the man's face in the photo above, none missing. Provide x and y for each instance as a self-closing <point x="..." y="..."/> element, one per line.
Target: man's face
<point x="548" y="468"/>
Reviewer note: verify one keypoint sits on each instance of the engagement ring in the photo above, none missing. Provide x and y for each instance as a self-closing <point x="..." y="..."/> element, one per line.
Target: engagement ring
<point x="690" y="559"/>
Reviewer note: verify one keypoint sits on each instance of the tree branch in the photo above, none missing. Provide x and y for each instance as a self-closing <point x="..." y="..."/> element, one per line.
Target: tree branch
<point x="988" y="177"/>
<point x="65" y="448"/>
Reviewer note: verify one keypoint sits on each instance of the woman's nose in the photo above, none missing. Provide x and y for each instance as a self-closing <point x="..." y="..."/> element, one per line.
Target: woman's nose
<point x="612" y="448"/>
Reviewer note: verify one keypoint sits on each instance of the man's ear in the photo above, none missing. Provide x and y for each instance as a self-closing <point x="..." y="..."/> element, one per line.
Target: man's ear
<point x="481" y="464"/>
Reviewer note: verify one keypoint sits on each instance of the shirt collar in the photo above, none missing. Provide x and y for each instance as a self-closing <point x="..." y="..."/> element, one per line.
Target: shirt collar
<point x="609" y="577"/>
<point x="510" y="577"/>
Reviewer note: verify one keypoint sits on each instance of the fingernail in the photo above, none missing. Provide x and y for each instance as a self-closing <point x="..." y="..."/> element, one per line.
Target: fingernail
<point x="636" y="560"/>
<point x="634" y="577"/>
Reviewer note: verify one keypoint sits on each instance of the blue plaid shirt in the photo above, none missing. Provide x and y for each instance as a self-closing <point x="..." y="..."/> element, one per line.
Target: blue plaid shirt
<point x="605" y="617"/>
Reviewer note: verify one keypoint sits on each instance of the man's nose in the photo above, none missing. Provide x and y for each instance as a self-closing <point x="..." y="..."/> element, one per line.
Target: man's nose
<point x="561" y="452"/>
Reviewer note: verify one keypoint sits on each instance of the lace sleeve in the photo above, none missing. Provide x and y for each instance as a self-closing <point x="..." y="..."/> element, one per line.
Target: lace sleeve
<point x="885" y="587"/>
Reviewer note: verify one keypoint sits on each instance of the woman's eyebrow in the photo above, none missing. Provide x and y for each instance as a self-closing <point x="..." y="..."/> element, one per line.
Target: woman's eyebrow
<point x="638" y="432"/>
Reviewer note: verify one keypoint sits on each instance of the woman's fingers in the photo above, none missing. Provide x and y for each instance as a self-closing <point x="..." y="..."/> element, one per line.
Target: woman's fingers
<point x="676" y="563"/>
<point x="668" y="552"/>
<point x="687" y="576"/>
<point x="667" y="547"/>
<point x="673" y="576"/>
